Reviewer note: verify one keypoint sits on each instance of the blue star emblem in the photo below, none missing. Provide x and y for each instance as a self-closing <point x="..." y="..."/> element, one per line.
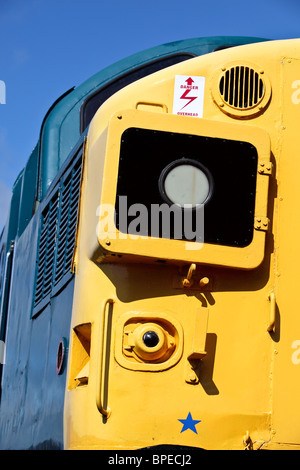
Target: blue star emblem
<point x="189" y="423"/>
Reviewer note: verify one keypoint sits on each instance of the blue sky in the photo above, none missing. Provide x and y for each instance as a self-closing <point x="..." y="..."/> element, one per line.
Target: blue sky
<point x="49" y="46"/>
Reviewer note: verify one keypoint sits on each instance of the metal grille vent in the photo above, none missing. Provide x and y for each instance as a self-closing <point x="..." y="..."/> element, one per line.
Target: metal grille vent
<point x="67" y="226"/>
<point x="46" y="250"/>
<point x="241" y="87"/>
<point x="57" y="235"/>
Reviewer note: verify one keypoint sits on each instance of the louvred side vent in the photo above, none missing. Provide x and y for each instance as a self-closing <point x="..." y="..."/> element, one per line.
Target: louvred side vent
<point x="57" y="236"/>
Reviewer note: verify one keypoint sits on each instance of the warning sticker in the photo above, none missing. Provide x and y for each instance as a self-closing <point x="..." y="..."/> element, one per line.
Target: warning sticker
<point x="188" y="95"/>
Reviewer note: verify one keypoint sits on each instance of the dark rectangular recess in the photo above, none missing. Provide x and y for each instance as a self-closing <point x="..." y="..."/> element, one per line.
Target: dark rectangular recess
<point x="228" y="214"/>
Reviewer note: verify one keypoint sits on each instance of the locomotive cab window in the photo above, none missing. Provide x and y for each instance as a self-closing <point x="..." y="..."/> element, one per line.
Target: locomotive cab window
<point x="206" y="173"/>
<point x="95" y="100"/>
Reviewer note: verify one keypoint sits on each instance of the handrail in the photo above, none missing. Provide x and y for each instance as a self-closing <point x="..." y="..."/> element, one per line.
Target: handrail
<point x="103" y="365"/>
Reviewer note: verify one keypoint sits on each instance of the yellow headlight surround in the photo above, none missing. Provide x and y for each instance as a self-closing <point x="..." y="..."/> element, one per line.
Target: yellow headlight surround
<point x="115" y="244"/>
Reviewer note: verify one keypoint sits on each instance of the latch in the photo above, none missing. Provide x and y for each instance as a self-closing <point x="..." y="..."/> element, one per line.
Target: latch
<point x="193" y="280"/>
<point x="187" y="281"/>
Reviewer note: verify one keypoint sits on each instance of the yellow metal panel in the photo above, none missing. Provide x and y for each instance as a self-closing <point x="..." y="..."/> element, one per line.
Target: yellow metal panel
<point x="247" y="385"/>
<point x="286" y="409"/>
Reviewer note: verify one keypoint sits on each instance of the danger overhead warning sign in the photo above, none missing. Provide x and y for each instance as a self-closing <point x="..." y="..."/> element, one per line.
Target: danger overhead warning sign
<point x="188" y="95"/>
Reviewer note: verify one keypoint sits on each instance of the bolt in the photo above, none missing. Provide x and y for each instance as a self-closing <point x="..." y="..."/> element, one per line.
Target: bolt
<point x="204" y="281"/>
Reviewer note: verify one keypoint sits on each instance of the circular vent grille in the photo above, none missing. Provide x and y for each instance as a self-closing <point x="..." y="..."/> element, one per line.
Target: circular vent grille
<point x="241" y="87"/>
<point x="241" y="90"/>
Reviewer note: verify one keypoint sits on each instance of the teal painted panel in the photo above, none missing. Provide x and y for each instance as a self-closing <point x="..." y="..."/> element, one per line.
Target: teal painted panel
<point x="29" y="191"/>
<point x="13" y="219"/>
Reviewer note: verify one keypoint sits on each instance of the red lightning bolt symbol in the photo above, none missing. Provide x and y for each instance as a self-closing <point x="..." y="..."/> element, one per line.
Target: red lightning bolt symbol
<point x="185" y="97"/>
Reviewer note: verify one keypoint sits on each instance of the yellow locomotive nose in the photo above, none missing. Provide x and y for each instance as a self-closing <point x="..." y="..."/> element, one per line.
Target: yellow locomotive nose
<point x="200" y="325"/>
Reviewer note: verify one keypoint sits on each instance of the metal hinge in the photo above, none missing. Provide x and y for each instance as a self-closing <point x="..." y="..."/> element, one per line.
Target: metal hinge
<point x="261" y="223"/>
<point x="265" y="168"/>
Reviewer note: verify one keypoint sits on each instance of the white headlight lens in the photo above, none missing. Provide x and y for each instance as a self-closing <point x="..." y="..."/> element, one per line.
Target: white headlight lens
<point x="186" y="184"/>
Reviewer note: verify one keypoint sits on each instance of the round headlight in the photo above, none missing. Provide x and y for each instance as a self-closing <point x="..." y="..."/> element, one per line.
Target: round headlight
<point x="185" y="183"/>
